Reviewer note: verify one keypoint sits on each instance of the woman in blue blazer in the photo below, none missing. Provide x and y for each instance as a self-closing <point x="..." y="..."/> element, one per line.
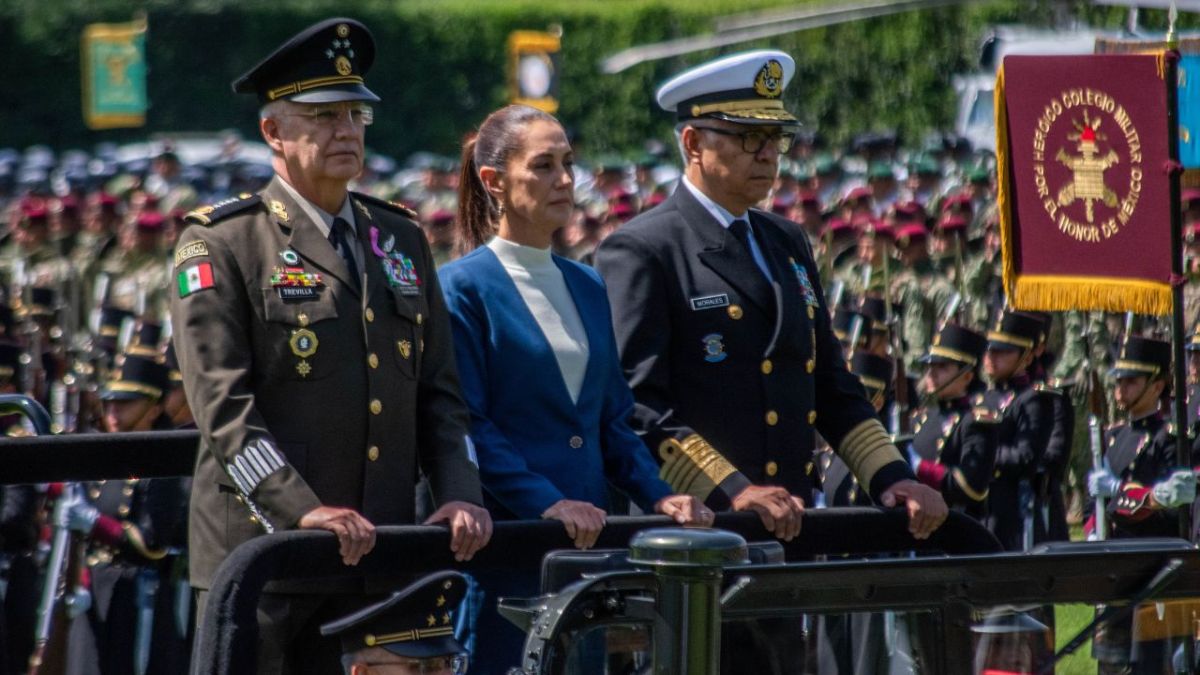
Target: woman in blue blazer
<point x="538" y="360"/>
<point x="534" y="343"/>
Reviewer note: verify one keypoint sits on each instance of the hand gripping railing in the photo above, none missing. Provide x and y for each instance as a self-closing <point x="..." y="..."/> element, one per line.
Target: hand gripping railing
<point x="227" y="635"/>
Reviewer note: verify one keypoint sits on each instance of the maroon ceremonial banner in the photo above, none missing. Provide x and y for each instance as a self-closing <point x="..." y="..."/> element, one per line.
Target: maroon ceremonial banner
<point x="1082" y="164"/>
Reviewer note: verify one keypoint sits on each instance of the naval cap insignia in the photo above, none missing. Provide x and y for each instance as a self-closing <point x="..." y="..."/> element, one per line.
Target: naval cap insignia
<point x="769" y="81"/>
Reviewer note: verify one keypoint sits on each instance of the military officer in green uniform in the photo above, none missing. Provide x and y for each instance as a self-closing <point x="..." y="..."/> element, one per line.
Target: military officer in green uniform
<point x="137" y="278"/>
<point x="315" y="349"/>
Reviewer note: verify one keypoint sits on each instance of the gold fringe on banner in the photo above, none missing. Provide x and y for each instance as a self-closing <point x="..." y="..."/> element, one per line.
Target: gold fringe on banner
<point x="1004" y="202"/>
<point x="1045" y="293"/>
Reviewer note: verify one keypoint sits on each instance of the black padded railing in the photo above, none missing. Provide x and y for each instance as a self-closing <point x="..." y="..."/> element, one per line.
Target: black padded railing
<point x="227" y="635"/>
<point x="80" y="457"/>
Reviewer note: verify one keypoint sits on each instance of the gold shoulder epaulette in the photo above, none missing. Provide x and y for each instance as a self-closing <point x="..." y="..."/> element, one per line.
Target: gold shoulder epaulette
<point x="1041" y="386"/>
<point x="208" y="215"/>
<point x="391" y="206"/>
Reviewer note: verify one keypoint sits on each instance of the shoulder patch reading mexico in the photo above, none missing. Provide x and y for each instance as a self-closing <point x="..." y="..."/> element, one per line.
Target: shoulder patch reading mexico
<point x="186" y="252"/>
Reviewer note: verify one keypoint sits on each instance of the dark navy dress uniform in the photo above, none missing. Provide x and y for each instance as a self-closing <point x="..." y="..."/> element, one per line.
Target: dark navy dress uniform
<point x="839" y="486"/>
<point x="1026" y="424"/>
<point x="712" y="348"/>
<point x="954" y="440"/>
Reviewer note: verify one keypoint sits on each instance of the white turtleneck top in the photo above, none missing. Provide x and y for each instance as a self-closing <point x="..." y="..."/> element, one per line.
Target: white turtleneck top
<point x="545" y="292"/>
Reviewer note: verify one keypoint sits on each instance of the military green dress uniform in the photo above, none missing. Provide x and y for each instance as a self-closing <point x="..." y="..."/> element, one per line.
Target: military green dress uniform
<point x="730" y="352"/>
<point x="954" y="444"/>
<point x="312" y="385"/>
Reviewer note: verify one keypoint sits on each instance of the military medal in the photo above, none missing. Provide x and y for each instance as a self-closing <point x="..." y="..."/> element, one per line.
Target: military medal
<point x="291" y="282"/>
<point x="399" y="269"/>
<point x="806" y="287"/>
<point x="405" y="348"/>
<point x="304" y="344"/>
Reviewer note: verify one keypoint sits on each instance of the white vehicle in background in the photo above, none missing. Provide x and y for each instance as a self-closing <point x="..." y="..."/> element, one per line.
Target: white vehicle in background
<point x="975" y="119"/>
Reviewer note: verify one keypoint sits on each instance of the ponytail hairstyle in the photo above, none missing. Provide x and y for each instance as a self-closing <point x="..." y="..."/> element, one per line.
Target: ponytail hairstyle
<point x="493" y="145"/>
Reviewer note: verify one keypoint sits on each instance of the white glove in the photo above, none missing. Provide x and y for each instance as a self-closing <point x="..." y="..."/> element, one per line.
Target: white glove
<point x="1102" y="483"/>
<point x="1179" y="489"/>
<point x="77" y="516"/>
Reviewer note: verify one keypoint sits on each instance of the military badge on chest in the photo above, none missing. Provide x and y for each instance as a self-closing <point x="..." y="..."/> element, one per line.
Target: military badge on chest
<point x="714" y="348"/>
<point x="398" y="268"/>
<point x="304" y="344"/>
<point x="290" y="280"/>
<point x="807" y="293"/>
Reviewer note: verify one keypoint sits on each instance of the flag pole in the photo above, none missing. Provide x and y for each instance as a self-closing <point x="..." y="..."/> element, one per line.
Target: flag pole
<point x="1183" y="449"/>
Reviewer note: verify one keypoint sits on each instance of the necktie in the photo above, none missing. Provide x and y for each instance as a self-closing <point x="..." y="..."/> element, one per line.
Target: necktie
<point x="340" y="237"/>
<point x="741" y="231"/>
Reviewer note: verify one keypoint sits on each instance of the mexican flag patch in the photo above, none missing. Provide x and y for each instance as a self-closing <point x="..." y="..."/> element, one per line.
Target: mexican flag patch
<point x="195" y="278"/>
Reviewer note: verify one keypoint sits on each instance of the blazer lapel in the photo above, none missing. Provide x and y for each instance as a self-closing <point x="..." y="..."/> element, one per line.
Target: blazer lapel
<point x="723" y="253"/>
<point x="305" y="238"/>
<point x="364" y="228"/>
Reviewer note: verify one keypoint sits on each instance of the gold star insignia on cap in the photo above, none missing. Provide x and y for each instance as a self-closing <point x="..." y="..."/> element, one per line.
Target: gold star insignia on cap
<point x="446" y="618"/>
<point x="441" y="600"/>
<point x="431" y="620"/>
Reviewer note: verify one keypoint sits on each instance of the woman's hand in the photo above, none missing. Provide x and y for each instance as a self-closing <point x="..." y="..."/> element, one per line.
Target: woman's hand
<point x="685" y="510"/>
<point x="582" y="520"/>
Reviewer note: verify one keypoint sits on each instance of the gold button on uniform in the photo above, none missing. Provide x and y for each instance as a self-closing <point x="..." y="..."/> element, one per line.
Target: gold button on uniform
<point x="767" y="367"/>
<point x="373" y="453"/>
<point x="772" y="418"/>
<point x="420" y="319"/>
<point x="373" y="360"/>
<point x="772" y="468"/>
<point x="811" y="365"/>
<point x="735" y="312"/>
<point x="370" y="314"/>
<point x="812" y="416"/>
<point x="376" y="406"/>
<point x="576" y="442"/>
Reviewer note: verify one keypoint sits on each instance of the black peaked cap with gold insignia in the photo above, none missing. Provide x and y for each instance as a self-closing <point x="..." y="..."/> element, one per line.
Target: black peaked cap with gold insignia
<point x="137" y="376"/>
<point x="955" y="344"/>
<point x="1142" y="356"/>
<point x="1016" y="330"/>
<point x="415" y="622"/>
<point x="324" y="63"/>
<point x="874" y="371"/>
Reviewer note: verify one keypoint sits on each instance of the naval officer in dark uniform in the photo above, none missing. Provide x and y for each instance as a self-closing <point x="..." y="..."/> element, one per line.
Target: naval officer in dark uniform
<point x="315" y="348"/>
<point x="721" y="320"/>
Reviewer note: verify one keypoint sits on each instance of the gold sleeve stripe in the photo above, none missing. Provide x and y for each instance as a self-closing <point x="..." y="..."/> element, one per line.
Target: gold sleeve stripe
<point x="134" y="536"/>
<point x="867" y="449"/>
<point x="692" y="466"/>
<point x="966" y="487"/>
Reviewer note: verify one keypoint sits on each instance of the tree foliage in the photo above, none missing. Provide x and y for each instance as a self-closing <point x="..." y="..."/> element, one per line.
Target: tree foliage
<point x="441" y="64"/>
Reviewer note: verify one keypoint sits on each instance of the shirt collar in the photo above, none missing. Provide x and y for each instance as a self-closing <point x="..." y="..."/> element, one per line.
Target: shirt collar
<point x="724" y="217"/>
<point x="319" y="217"/>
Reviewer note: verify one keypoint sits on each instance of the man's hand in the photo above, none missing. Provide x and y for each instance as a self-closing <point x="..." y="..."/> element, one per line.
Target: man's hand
<point x="779" y="510"/>
<point x="356" y="535"/>
<point x="470" y="527"/>
<point x="582" y="520"/>
<point x="926" y="508"/>
<point x="685" y="510"/>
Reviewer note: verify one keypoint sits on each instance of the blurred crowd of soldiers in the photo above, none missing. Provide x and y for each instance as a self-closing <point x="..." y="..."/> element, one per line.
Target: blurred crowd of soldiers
<point x="908" y="242"/>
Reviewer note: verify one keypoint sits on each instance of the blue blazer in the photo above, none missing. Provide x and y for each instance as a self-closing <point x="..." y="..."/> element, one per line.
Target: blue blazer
<point x="535" y="445"/>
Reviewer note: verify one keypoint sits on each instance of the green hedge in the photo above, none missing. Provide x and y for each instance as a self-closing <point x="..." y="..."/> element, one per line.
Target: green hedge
<point x="441" y="64"/>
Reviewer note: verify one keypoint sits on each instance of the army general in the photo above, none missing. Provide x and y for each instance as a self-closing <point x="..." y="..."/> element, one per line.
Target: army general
<point x="315" y="347"/>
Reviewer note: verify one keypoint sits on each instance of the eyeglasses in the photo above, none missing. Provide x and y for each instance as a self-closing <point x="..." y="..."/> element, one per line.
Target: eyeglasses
<point x="328" y="115"/>
<point x="754" y="141"/>
<point x="456" y="664"/>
